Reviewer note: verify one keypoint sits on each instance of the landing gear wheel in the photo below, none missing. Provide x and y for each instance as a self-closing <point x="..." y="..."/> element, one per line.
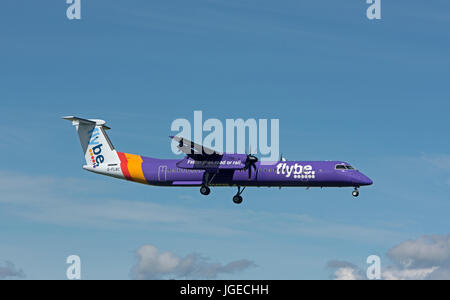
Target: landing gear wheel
<point x="237" y="199"/>
<point x="204" y="190"/>
<point x="355" y="193"/>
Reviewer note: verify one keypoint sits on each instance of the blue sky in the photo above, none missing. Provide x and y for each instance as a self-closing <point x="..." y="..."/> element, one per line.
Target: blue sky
<point x="373" y="93"/>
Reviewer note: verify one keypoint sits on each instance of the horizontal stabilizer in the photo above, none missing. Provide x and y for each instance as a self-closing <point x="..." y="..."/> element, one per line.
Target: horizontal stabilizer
<point x="77" y="121"/>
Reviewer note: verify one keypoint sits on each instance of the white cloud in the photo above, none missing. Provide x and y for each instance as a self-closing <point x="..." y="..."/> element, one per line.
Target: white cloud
<point x="427" y="257"/>
<point x="344" y="270"/>
<point x="346" y="274"/>
<point x="426" y="251"/>
<point x="154" y="264"/>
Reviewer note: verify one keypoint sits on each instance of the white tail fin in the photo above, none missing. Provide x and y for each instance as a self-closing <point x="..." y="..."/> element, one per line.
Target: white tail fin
<point x="97" y="148"/>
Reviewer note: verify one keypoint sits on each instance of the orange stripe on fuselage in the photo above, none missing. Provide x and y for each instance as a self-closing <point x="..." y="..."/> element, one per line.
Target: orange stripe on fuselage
<point x="134" y="163"/>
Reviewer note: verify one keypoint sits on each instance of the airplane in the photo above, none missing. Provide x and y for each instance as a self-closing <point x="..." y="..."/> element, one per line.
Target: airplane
<point x="204" y="167"/>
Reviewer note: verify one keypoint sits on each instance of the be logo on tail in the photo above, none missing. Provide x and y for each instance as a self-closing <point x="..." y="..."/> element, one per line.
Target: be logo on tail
<point x="95" y="149"/>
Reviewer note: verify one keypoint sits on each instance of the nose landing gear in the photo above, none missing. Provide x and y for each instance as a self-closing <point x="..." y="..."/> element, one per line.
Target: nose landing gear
<point x="355" y="193"/>
<point x="237" y="199"/>
<point x="205" y="190"/>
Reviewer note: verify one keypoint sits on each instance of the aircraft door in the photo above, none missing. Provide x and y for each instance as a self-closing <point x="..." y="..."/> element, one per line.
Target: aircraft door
<point x="162" y="173"/>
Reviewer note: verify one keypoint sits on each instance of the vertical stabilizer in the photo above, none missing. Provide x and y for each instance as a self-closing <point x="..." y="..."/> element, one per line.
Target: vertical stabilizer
<point x="97" y="148"/>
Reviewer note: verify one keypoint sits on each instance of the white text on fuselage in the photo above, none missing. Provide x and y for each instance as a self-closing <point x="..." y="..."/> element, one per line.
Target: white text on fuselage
<point x="215" y="162"/>
<point x="296" y="170"/>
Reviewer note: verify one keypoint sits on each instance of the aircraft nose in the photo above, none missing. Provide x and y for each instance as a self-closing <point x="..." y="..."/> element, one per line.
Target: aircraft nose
<point x="362" y="179"/>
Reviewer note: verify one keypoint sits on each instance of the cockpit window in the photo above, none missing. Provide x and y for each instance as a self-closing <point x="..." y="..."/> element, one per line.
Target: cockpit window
<point x="344" y="167"/>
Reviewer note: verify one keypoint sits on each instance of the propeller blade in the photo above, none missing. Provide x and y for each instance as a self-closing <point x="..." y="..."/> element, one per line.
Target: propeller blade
<point x="249" y="163"/>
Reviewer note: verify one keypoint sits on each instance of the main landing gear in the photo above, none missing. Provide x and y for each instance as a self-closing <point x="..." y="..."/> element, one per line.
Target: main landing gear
<point x="207" y="178"/>
<point x="238" y="198"/>
<point x="355" y="193"/>
<point x="204" y="190"/>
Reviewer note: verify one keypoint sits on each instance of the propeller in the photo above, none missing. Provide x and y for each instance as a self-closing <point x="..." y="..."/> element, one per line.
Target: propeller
<point x="250" y="163"/>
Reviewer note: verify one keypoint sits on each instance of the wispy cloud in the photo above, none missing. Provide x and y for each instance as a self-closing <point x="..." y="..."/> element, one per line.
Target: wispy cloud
<point x="67" y="201"/>
<point x="441" y="161"/>
<point x="9" y="270"/>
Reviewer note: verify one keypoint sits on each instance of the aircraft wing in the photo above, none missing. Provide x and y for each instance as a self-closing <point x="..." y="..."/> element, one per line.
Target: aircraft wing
<point x="193" y="149"/>
<point x="200" y="157"/>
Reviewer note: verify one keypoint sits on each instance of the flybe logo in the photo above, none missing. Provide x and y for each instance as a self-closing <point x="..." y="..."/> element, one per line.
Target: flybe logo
<point x="299" y="171"/>
<point x="95" y="148"/>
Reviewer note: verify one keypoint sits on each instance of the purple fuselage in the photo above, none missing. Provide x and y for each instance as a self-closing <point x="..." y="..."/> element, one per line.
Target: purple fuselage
<point x="167" y="172"/>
